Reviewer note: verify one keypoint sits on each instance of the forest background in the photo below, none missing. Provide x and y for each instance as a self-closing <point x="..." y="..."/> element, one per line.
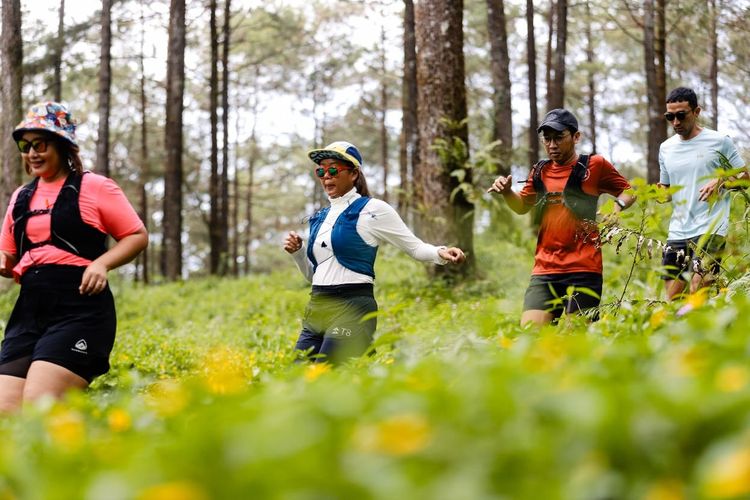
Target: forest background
<point x="263" y="82"/>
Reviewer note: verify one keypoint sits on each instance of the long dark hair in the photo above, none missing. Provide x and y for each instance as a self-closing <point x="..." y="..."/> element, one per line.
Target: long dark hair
<point x="69" y="153"/>
<point x="360" y="183"/>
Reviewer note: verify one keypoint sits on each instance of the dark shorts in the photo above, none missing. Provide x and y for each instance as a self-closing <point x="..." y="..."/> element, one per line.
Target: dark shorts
<point x="52" y="322"/>
<point x="333" y="328"/>
<point x="683" y="256"/>
<point x="553" y="293"/>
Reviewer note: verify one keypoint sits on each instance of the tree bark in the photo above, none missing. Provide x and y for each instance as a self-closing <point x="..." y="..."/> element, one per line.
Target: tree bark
<point x="12" y="107"/>
<point x="556" y="96"/>
<point x="105" y="84"/>
<point x="591" y="81"/>
<point x="502" y="124"/>
<point x="548" y="66"/>
<point x="653" y="50"/>
<point x="57" y="56"/>
<point x="531" y="63"/>
<point x="383" y="114"/>
<point x="143" y="257"/>
<point x="214" y="229"/>
<point x="442" y="96"/>
<point x="172" y="255"/>
<point x="713" y="72"/>
<point x="224" y="182"/>
<point x="409" y="157"/>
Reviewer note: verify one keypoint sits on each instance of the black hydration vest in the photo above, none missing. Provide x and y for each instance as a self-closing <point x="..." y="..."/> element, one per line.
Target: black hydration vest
<point x="582" y="204"/>
<point x="67" y="230"/>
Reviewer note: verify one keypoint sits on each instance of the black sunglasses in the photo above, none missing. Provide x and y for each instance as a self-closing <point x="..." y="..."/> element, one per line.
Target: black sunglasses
<point x="332" y="171"/>
<point x="39" y="145"/>
<point x="680" y="115"/>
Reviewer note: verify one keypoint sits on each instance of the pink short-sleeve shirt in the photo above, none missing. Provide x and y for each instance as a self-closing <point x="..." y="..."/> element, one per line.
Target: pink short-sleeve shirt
<point x="102" y="203"/>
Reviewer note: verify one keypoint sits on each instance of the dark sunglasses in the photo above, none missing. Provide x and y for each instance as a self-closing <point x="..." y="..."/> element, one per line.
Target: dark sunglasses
<point x="333" y="170"/>
<point x="39" y="145"/>
<point x="680" y="115"/>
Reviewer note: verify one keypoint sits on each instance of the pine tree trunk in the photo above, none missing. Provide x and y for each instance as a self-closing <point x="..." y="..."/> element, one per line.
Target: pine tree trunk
<point x="653" y="50"/>
<point x="383" y="114"/>
<point x="531" y="63"/>
<point x="713" y="73"/>
<point x="591" y="81"/>
<point x="12" y="104"/>
<point x="224" y="182"/>
<point x="409" y="156"/>
<point x="105" y="84"/>
<point x="442" y="95"/>
<point x="56" y="90"/>
<point x="214" y="229"/>
<point x="143" y="257"/>
<point x="502" y="126"/>
<point x="556" y="96"/>
<point x="172" y="256"/>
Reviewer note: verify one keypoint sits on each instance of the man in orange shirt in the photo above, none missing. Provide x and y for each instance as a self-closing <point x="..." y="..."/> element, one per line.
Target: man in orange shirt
<point x="565" y="190"/>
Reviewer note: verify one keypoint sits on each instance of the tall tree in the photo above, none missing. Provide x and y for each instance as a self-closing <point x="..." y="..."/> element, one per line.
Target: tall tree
<point x="591" y="96"/>
<point x="654" y="41"/>
<point x="713" y="72"/>
<point x="214" y="229"/>
<point x="383" y="112"/>
<point x="224" y="181"/>
<point x="502" y="123"/>
<point x="548" y="65"/>
<point x="172" y="251"/>
<point x="409" y="155"/>
<point x="57" y="54"/>
<point x="442" y="118"/>
<point x="556" y="95"/>
<point x="531" y="63"/>
<point x="105" y="84"/>
<point x="143" y="258"/>
<point x="12" y="107"/>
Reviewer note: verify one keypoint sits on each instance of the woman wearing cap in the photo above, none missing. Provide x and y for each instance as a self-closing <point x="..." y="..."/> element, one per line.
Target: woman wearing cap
<point x="62" y="328"/>
<point x="340" y="255"/>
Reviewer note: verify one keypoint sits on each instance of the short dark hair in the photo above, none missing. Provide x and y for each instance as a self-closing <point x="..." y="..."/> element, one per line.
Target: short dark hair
<point x="683" y="94"/>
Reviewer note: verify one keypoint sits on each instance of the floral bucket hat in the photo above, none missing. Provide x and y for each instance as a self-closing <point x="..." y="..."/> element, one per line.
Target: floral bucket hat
<point x="51" y="117"/>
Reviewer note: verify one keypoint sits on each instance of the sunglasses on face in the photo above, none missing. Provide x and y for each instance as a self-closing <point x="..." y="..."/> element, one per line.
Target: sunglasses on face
<point x="39" y="145"/>
<point x="333" y="170"/>
<point x="680" y="115"/>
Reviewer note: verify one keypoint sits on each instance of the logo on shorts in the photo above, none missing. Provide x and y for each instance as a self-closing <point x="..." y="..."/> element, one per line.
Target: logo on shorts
<point x="80" y="346"/>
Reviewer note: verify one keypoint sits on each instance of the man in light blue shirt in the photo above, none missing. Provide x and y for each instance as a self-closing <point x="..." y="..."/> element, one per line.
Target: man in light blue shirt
<point x="700" y="217"/>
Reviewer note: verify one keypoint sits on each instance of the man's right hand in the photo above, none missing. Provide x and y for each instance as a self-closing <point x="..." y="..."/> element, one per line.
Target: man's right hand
<point x="502" y="185"/>
<point x="292" y="242"/>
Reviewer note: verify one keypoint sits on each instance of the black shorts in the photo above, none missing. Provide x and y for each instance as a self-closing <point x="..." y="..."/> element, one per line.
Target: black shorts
<point x="553" y="293"/>
<point x="53" y="322"/>
<point x="682" y="256"/>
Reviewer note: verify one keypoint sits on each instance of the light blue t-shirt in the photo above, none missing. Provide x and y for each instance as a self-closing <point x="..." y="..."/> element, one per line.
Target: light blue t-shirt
<point x="692" y="164"/>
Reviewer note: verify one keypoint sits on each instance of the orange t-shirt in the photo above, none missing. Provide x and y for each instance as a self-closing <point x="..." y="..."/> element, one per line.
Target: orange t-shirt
<point x="102" y="203"/>
<point x="563" y="245"/>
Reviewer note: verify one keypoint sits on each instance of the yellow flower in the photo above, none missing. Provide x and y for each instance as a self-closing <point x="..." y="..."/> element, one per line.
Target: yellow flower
<point x="666" y="489"/>
<point x="177" y="490"/>
<point x="399" y="435"/>
<point x="168" y="398"/>
<point x="224" y="373"/>
<point x="119" y="420"/>
<point x="315" y="370"/>
<point x="505" y="342"/>
<point x="732" y="378"/>
<point x="658" y="317"/>
<point x="66" y="428"/>
<point x="729" y="476"/>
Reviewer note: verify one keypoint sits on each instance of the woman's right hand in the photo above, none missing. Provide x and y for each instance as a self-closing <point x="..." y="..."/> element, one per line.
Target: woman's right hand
<point x="7" y="263"/>
<point x="292" y="242"/>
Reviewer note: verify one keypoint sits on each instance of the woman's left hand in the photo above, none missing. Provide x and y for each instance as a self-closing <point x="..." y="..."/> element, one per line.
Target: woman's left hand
<point x="94" y="279"/>
<point x="452" y="254"/>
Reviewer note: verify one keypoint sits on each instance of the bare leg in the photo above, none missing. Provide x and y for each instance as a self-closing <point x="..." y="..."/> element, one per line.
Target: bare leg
<point x="48" y="379"/>
<point x="536" y="316"/>
<point x="699" y="281"/>
<point x="11" y="393"/>
<point x="673" y="288"/>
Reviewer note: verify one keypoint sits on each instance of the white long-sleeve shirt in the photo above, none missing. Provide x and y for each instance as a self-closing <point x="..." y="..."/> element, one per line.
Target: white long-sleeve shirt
<point x="378" y="222"/>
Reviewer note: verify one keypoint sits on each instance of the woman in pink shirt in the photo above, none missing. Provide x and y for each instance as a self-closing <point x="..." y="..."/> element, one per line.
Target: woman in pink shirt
<point x="53" y="242"/>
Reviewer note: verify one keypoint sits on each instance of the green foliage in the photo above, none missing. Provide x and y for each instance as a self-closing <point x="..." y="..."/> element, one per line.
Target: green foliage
<point x="204" y="399"/>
